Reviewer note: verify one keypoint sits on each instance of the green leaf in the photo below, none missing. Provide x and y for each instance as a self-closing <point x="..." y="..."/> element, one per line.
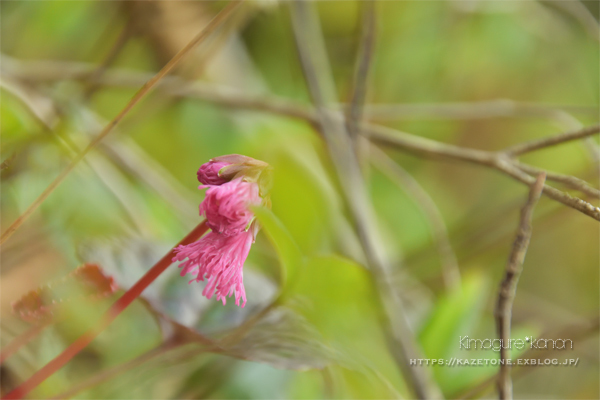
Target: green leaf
<point x="454" y="314"/>
<point x="287" y="249"/>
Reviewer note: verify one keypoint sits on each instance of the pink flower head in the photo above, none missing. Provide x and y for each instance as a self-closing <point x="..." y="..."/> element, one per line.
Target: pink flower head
<point x="208" y="173"/>
<point x="226" y="207"/>
<point x="219" y="259"/>
<point x="234" y="183"/>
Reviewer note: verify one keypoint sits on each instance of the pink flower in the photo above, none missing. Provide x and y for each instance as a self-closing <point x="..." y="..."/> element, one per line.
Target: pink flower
<point x="219" y="259"/>
<point x="208" y="173"/>
<point x="234" y="183"/>
<point x="226" y="207"/>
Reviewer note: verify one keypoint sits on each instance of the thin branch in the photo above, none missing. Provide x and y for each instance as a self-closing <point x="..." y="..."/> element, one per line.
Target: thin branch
<point x="508" y="287"/>
<point x="231" y="98"/>
<point x="500" y="162"/>
<point x="484" y="109"/>
<point x="212" y="25"/>
<point x="49" y="71"/>
<point x="568" y="180"/>
<point x="315" y="66"/>
<point x="105" y="320"/>
<point x="406" y="182"/>
<point x="538" y="144"/>
<point x="363" y="63"/>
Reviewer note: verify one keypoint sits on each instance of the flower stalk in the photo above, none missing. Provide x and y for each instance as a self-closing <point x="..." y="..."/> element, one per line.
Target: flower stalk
<point x="109" y="316"/>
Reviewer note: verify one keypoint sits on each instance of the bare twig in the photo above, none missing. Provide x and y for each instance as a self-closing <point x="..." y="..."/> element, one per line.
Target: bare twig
<point x="473" y="110"/>
<point x="405" y="181"/>
<point x="500" y="162"/>
<point x="363" y="63"/>
<point x="48" y="71"/>
<point x="313" y="59"/>
<point x="508" y="287"/>
<point x="213" y="24"/>
<point x="533" y="145"/>
<point x="568" y="180"/>
<point x="228" y="97"/>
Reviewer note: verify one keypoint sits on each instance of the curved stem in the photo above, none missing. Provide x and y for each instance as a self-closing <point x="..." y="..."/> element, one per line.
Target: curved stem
<point x="109" y="316"/>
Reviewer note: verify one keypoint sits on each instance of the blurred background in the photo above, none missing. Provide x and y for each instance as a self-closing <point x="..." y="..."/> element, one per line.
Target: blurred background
<point x="475" y="74"/>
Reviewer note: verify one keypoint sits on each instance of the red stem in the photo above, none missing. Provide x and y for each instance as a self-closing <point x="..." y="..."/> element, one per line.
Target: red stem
<point x="20" y="341"/>
<point x="108" y="317"/>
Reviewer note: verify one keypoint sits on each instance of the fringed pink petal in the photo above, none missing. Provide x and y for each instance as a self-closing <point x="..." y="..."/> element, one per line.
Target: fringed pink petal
<point x="220" y="260"/>
<point x="226" y="206"/>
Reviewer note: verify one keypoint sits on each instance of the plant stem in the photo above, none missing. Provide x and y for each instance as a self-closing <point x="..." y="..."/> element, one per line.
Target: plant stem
<point x="109" y="316"/>
<point x="508" y="286"/>
<point x="21" y="341"/>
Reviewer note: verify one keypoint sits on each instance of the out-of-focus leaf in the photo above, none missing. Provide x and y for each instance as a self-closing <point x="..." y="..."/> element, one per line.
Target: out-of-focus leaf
<point x="335" y="294"/>
<point x="284" y="339"/>
<point x="454" y="315"/>
<point x="287" y="249"/>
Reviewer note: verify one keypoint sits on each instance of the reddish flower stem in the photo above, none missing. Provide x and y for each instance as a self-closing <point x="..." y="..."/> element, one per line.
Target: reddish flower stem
<point x="108" y="317"/>
<point x="21" y="341"/>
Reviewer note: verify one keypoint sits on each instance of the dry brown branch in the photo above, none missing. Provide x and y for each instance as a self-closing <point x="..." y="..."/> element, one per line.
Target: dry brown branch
<point x="231" y="98"/>
<point x="49" y="71"/>
<point x="568" y="180"/>
<point x="450" y="270"/>
<point x="213" y="24"/>
<point x="508" y="286"/>
<point x="317" y="73"/>
<point x="498" y="161"/>
<point x="542" y="143"/>
<point x="354" y="112"/>
<point x="474" y="110"/>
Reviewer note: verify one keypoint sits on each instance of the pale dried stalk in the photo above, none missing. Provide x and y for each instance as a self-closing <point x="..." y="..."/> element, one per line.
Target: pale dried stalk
<point x="542" y="143"/>
<point x="567" y="180"/>
<point x="450" y="270"/>
<point x="508" y="286"/>
<point x="315" y="65"/>
<point x="228" y="97"/>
